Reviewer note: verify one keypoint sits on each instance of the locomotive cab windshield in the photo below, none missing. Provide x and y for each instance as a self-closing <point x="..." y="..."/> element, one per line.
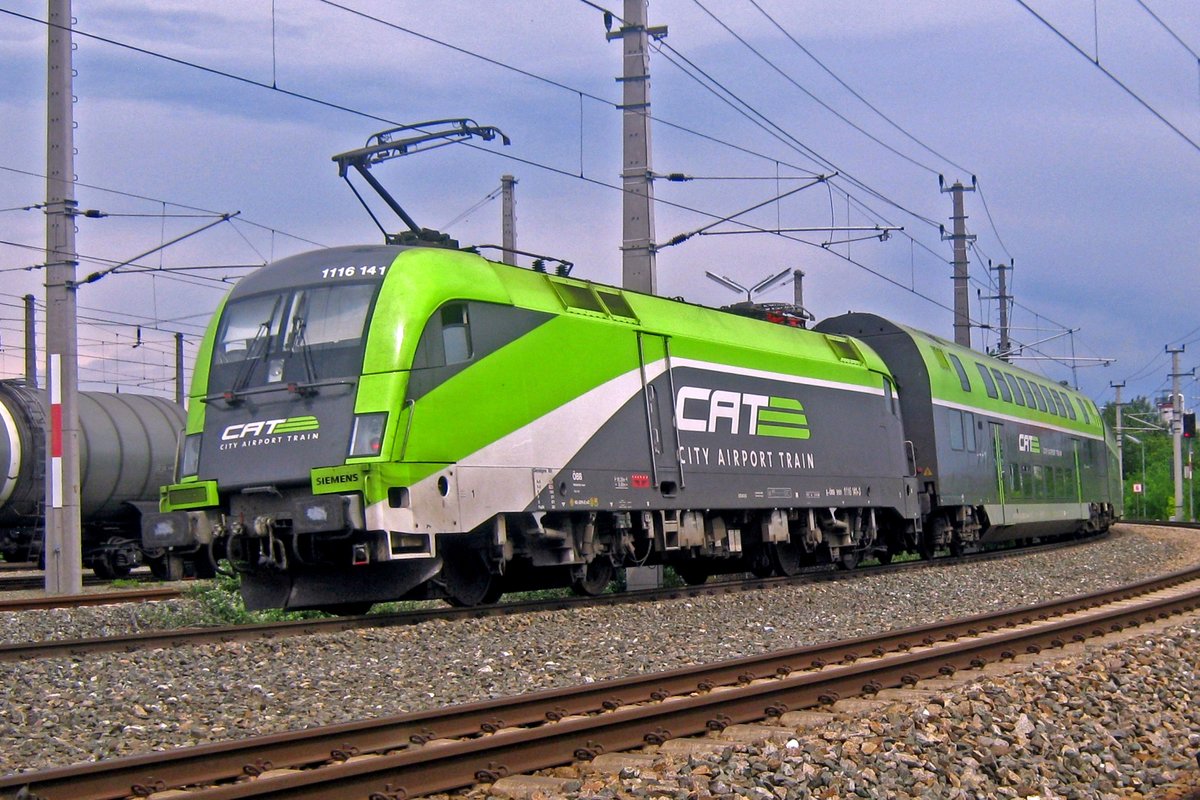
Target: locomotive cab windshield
<point x="298" y="336"/>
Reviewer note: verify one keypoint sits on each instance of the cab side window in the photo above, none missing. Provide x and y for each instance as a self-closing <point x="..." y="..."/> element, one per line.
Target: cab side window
<point x="446" y="339"/>
<point x="456" y="333"/>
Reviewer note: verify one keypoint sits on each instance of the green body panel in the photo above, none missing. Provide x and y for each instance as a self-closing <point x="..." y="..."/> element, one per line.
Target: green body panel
<point x="572" y="353"/>
<point x="335" y="480"/>
<point x="417" y="283"/>
<point x="944" y="385"/>
<point x="199" y="387"/>
<point x="193" y="494"/>
<point x="562" y="358"/>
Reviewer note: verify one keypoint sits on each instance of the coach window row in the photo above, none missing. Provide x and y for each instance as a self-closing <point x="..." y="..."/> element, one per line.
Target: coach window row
<point x="1042" y="482"/>
<point x="1030" y="394"/>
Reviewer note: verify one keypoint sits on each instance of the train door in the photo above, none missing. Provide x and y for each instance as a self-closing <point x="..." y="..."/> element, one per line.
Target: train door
<point x="658" y="389"/>
<point x="1078" y="471"/>
<point x="997" y="431"/>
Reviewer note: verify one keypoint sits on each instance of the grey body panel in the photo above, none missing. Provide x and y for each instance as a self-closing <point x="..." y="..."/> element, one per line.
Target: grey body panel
<point x="640" y="460"/>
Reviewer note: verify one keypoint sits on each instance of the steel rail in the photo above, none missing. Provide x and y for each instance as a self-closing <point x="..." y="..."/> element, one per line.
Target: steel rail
<point x="804" y="675"/>
<point x="1161" y="523"/>
<point x="18" y="583"/>
<point x="21" y="651"/>
<point x="423" y="770"/>
<point x="87" y="599"/>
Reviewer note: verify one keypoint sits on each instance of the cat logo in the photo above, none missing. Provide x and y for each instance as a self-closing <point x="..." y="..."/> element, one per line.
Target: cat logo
<point x="714" y="410"/>
<point x="268" y="427"/>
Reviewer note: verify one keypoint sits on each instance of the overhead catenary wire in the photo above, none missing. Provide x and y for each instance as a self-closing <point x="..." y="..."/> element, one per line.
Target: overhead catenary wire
<point x="519" y="160"/>
<point x="134" y="196"/>
<point x="1169" y="30"/>
<point x="1095" y="62"/>
<point x="856" y="94"/>
<point x="787" y="77"/>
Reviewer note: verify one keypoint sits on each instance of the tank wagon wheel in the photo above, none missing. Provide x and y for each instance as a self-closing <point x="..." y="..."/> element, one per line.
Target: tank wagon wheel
<point x="104" y="566"/>
<point x="597" y="575"/>
<point x="787" y="559"/>
<point x="165" y="566"/>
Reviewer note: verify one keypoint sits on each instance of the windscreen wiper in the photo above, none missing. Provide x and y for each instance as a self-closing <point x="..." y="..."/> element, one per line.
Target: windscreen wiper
<point x="254" y="352"/>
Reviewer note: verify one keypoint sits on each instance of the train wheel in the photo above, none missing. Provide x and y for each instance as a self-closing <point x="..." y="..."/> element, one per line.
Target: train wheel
<point x="347" y="609"/>
<point x="759" y="562"/>
<point x="691" y="574"/>
<point x="469" y="582"/>
<point x="847" y="558"/>
<point x="597" y="575"/>
<point x="786" y="558"/>
<point x="103" y="569"/>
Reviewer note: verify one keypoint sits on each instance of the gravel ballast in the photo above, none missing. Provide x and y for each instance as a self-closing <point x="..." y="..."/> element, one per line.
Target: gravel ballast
<point x="65" y="710"/>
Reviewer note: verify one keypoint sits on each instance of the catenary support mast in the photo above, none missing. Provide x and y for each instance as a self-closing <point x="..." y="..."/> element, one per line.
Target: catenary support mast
<point x="30" y="343"/>
<point x="962" y="300"/>
<point x="508" y="220"/>
<point x="64" y="571"/>
<point x="637" y="241"/>
<point x="1177" y="429"/>
<point x="1120" y="432"/>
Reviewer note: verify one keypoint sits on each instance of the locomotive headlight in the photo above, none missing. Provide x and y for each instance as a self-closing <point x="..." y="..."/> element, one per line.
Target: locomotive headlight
<point x="189" y="457"/>
<point x="367" y="437"/>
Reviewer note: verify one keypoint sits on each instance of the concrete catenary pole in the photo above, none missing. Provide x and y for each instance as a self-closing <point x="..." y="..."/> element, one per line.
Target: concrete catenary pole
<point x="30" y="343"/>
<point x="1177" y="429"/>
<point x="180" y="391"/>
<point x="637" y="240"/>
<point x="64" y="571"/>
<point x="1120" y="430"/>
<point x="1005" y="302"/>
<point x="508" y="220"/>
<point x="962" y="300"/>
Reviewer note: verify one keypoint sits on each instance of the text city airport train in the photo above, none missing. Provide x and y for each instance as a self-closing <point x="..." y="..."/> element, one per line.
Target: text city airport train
<point x="377" y="422"/>
<point x="127" y="450"/>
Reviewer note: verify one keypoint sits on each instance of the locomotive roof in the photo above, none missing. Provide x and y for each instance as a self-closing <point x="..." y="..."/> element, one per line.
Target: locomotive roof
<point x="419" y="280"/>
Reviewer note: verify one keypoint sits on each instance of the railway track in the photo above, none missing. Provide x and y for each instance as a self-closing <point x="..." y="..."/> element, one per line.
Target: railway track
<point x="91" y="599"/>
<point x="415" y="754"/>
<point x="37" y="580"/>
<point x="245" y="632"/>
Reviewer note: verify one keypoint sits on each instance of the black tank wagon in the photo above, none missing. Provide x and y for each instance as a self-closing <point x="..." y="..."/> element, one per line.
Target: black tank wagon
<point x="128" y="444"/>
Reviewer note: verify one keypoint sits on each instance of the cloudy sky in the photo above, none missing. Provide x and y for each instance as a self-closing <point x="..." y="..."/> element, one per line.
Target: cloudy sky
<point x="189" y="110"/>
